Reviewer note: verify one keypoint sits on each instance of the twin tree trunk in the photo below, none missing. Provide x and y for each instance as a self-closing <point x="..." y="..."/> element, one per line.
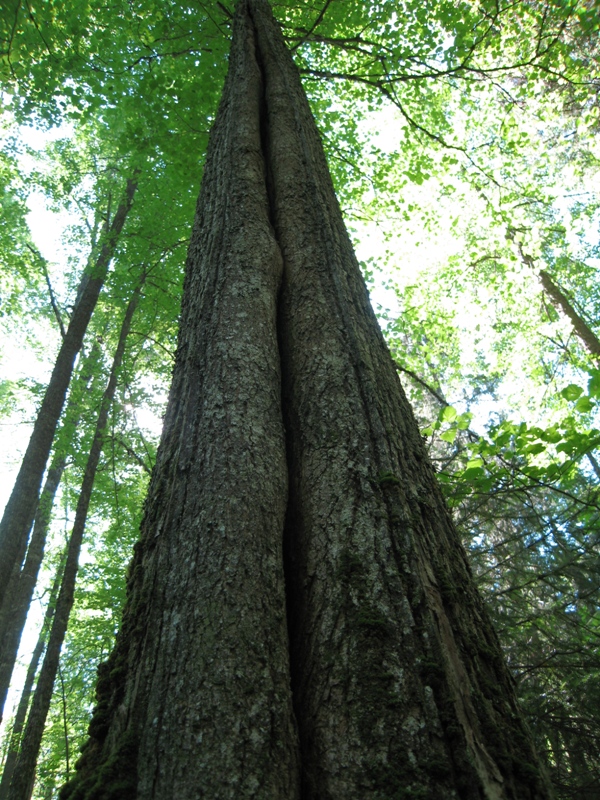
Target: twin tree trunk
<point x="301" y="620"/>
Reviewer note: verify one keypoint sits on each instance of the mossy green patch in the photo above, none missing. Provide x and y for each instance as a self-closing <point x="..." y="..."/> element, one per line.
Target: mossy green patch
<point x="115" y="779"/>
<point x="350" y="565"/>
<point x="387" y="478"/>
<point x="372" y="622"/>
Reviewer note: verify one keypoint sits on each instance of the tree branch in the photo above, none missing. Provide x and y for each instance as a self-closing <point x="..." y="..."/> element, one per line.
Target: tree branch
<point x="422" y="383"/>
<point x="582" y="329"/>
<point x="137" y="458"/>
<point x="53" y="302"/>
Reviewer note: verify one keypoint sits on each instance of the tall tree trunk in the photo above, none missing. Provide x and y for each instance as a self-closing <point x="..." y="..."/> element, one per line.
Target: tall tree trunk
<point x="23" y="778"/>
<point x="398" y="682"/>
<point x="20" y="509"/>
<point x="17" y="729"/>
<point x="582" y="329"/>
<point x="22" y="584"/>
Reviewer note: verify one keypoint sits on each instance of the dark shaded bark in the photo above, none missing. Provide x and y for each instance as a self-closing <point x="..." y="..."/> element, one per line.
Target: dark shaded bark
<point x="398" y="683"/>
<point x="21" y="507"/>
<point x="559" y="299"/>
<point x="17" y="729"/>
<point x="23" y="778"/>
<point x="22" y="584"/>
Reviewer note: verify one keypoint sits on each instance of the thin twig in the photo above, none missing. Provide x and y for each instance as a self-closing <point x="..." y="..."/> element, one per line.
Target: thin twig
<point x="314" y="26"/>
<point x="137" y="458"/>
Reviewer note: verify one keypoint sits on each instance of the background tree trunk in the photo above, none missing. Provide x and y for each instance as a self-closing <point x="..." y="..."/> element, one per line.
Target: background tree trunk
<point x="21" y="715"/>
<point x="398" y="681"/>
<point x="24" y="774"/>
<point x="21" y="507"/>
<point x="22" y="585"/>
<point x="560" y="300"/>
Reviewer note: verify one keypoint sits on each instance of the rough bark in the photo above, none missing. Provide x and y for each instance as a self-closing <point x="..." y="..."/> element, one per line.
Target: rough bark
<point x="21" y="507"/>
<point x="582" y="329"/>
<point x="22" y="584"/>
<point x="23" y="777"/>
<point x="207" y="580"/>
<point x="398" y="683"/>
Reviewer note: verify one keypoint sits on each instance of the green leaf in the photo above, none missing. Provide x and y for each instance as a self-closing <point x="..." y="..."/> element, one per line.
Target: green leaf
<point x="594" y="383"/>
<point x="584" y="405"/>
<point x="473" y="473"/>
<point x="464" y="420"/>
<point x="448" y="414"/>
<point x="572" y="391"/>
<point x="534" y="449"/>
<point x="449" y="436"/>
<point x="552" y="435"/>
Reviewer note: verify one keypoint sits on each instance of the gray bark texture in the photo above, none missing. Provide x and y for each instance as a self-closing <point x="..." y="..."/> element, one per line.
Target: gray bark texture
<point x="301" y="619"/>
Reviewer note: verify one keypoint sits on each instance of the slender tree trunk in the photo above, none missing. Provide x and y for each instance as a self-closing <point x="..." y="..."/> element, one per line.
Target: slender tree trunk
<point x="20" y="716"/>
<point x="65" y="721"/>
<point x="582" y="329"/>
<point x="23" y="778"/>
<point x="20" y="509"/>
<point x="595" y="466"/>
<point x="399" y="688"/>
<point x="22" y="584"/>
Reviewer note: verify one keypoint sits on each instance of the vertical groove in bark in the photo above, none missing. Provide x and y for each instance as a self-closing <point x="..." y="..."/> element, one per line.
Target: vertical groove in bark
<point x="399" y="684"/>
<point x="206" y="584"/>
<point x="398" y="677"/>
<point x="399" y="681"/>
<point x="23" y="582"/>
<point x="21" y="507"/>
<point x="22" y="782"/>
<point x="582" y="329"/>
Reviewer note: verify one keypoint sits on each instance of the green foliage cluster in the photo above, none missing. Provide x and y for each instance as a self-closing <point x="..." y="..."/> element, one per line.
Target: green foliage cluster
<point x="527" y="500"/>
